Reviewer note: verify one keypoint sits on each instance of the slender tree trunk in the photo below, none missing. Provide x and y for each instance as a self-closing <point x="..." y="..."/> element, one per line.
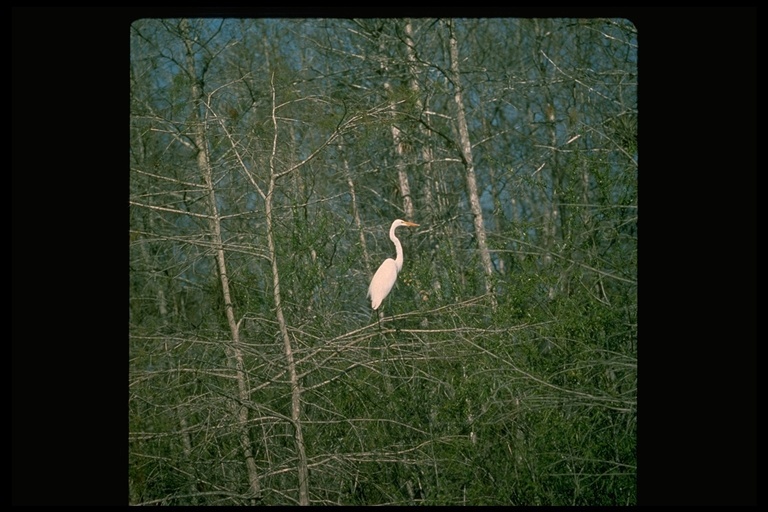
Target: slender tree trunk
<point x="426" y="149"/>
<point x="356" y="215"/>
<point x="402" y="175"/>
<point x="466" y="153"/>
<point x="400" y="150"/>
<point x="235" y="355"/>
<point x="303" y="470"/>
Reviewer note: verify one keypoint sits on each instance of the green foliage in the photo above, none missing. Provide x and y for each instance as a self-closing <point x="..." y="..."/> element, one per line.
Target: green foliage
<point x="451" y="398"/>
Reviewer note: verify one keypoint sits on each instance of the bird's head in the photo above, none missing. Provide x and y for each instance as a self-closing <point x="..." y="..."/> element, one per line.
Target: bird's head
<point x="400" y="222"/>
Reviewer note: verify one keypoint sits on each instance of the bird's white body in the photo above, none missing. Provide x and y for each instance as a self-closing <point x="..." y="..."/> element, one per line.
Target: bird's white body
<point x="383" y="281"/>
<point x="385" y="277"/>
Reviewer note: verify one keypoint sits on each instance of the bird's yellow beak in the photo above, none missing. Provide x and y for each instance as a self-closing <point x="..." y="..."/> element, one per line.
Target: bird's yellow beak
<point x="410" y="224"/>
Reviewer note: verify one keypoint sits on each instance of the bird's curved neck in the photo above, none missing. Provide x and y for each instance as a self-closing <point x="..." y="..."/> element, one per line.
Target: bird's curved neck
<point x="398" y="248"/>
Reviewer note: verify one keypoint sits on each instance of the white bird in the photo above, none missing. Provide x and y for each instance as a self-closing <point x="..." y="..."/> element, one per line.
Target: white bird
<point x="384" y="278"/>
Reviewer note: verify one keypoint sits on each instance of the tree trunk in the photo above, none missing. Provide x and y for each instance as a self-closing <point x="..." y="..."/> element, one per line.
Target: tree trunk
<point x="235" y="355"/>
<point x="466" y="154"/>
<point x="400" y="150"/>
<point x="356" y="215"/>
<point x="303" y="471"/>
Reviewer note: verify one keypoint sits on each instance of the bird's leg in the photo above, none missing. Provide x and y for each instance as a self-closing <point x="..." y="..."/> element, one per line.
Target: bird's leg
<point x="391" y="315"/>
<point x="378" y="317"/>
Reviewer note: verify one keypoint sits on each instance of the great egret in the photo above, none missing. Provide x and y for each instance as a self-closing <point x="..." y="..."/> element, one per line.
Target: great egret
<point x="384" y="278"/>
